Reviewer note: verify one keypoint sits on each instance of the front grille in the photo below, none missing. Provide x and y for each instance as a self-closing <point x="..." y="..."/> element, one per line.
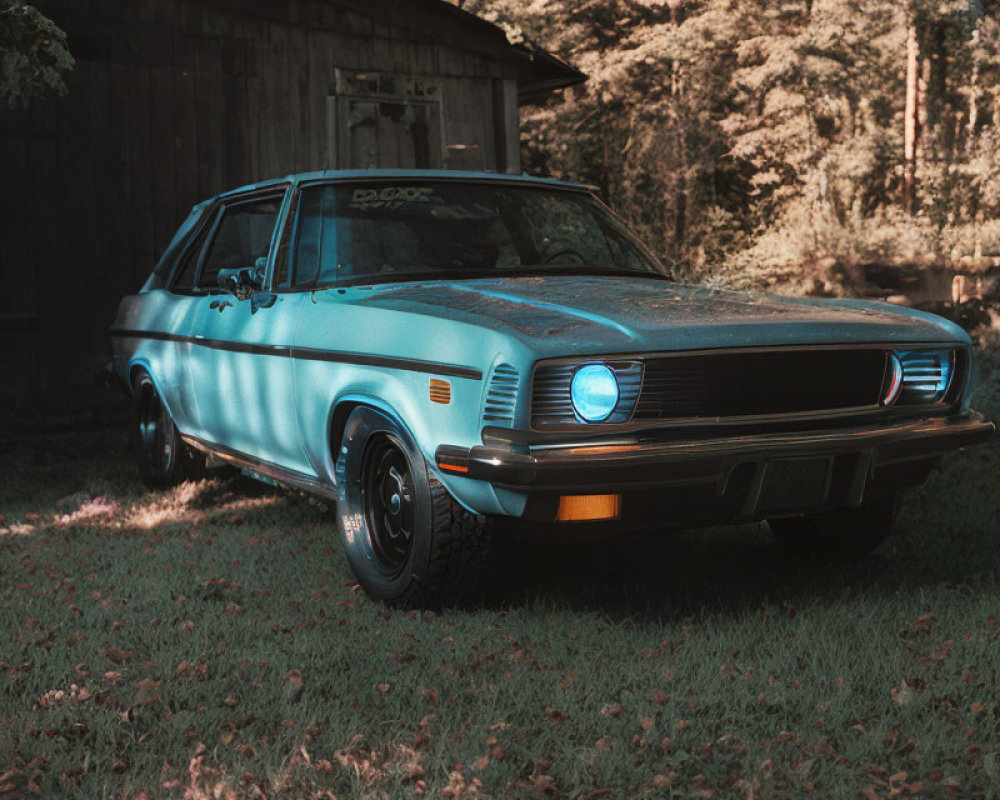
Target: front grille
<point x="761" y="383"/>
<point x="751" y="383"/>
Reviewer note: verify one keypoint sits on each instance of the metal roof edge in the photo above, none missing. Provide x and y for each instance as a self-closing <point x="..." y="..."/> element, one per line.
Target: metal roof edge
<point x="407" y="174"/>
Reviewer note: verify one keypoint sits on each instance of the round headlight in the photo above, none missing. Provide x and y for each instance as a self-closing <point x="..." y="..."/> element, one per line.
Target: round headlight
<point x="594" y="391"/>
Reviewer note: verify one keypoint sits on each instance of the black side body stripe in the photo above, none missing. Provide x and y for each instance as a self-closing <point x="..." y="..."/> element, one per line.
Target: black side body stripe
<point x="307" y="353"/>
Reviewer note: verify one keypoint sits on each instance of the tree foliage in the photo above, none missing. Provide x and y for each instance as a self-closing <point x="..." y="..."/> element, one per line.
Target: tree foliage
<point x="748" y="138"/>
<point x="33" y="54"/>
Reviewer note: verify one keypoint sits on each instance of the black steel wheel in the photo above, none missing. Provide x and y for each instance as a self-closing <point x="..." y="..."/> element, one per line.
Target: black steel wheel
<point x="387" y="494"/>
<point x="164" y="460"/>
<point x="406" y="538"/>
<point x="846" y="533"/>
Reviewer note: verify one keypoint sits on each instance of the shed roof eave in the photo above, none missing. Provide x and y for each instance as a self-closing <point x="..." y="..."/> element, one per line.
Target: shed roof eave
<point x="542" y="73"/>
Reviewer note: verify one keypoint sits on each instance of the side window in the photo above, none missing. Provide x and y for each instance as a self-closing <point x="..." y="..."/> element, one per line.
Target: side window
<point x="184" y="277"/>
<point x="242" y="239"/>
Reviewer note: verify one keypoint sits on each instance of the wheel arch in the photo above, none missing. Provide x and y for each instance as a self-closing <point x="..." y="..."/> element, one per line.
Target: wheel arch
<point x="137" y="366"/>
<point x="140" y="365"/>
<point x="341" y="410"/>
<point x="476" y="497"/>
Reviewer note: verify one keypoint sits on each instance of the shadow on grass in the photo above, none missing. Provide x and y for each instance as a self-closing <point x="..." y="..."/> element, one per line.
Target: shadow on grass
<point x="945" y="537"/>
<point x="947" y="533"/>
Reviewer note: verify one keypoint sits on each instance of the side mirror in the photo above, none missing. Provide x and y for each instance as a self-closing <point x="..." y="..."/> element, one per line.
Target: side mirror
<point x="241" y="281"/>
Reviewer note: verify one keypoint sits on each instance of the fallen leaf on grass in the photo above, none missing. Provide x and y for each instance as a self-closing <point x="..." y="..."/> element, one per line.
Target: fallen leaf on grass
<point x="147" y="692"/>
<point x="938" y="654"/>
<point x="555" y="715"/>
<point x="906" y="691"/>
<point x="401" y="658"/>
<point x="612" y="709"/>
<point x="115" y="654"/>
<point x="543" y="785"/>
<point x="294" y="684"/>
<point x="924" y="622"/>
<point x="430" y="694"/>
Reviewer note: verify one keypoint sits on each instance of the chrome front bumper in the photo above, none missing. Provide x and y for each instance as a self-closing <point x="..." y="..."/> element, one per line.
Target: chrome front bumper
<point x="751" y="471"/>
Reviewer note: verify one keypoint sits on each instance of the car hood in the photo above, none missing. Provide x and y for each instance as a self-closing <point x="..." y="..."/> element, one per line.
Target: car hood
<point x="569" y="314"/>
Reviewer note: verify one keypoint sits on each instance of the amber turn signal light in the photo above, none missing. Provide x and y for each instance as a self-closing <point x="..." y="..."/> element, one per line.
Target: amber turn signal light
<point x="440" y="391"/>
<point x="584" y="507"/>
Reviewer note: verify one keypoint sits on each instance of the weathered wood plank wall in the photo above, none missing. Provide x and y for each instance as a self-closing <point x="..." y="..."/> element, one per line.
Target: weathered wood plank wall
<point x="172" y="101"/>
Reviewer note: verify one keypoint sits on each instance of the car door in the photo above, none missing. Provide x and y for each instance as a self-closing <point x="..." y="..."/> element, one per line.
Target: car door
<point x="172" y="313"/>
<point x="242" y="371"/>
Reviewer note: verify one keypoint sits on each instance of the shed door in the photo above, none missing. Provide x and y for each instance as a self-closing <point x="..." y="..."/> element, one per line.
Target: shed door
<point x="380" y="121"/>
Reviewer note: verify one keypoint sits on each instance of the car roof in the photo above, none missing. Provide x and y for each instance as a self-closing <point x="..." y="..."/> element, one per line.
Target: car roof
<point x="408" y="174"/>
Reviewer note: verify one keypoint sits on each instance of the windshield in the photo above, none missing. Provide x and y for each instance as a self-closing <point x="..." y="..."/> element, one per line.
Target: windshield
<point x="376" y="232"/>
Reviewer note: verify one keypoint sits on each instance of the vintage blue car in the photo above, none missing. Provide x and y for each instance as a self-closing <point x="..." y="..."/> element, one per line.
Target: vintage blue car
<point x="434" y="351"/>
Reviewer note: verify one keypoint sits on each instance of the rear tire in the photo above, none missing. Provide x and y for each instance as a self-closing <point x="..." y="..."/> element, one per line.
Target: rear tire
<point x="847" y="533"/>
<point x="407" y="540"/>
<point x="163" y="458"/>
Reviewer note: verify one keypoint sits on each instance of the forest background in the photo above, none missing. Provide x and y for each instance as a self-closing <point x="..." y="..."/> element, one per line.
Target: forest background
<point x="780" y="143"/>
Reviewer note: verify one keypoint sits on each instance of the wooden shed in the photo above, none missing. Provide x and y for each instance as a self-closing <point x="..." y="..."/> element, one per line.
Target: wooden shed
<point x="173" y="101"/>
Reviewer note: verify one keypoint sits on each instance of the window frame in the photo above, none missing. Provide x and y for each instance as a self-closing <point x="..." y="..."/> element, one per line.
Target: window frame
<point x="211" y="221"/>
<point x="203" y="225"/>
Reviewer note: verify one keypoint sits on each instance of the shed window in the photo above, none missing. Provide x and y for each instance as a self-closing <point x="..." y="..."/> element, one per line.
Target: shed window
<point x="387" y="121"/>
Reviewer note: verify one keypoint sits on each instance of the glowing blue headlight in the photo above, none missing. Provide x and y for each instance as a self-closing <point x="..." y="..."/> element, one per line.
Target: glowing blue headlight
<point x="594" y="391"/>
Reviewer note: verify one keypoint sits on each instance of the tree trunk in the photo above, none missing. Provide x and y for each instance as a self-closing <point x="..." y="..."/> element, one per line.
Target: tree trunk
<point x="911" y="118"/>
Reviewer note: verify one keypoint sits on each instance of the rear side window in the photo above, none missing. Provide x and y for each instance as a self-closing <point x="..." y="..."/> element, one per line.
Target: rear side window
<point x="184" y="280"/>
<point x="242" y="239"/>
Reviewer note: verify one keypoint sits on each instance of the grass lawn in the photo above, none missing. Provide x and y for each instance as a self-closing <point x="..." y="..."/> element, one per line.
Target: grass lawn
<point x="209" y="642"/>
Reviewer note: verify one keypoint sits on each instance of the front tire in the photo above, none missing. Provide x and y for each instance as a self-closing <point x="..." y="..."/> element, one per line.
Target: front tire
<point x="846" y="533"/>
<point x="407" y="540"/>
<point x="163" y="458"/>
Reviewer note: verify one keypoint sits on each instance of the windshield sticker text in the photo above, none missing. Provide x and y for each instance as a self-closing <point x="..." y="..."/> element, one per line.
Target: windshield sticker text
<point x="390" y="197"/>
